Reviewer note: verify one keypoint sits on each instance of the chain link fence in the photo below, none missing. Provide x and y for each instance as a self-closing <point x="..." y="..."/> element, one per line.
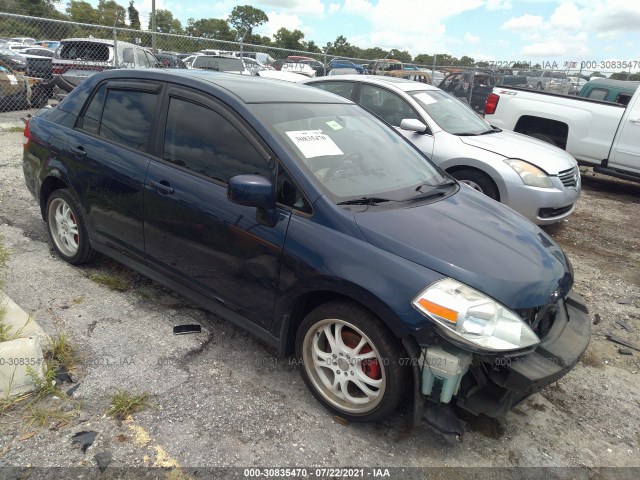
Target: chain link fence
<point x="32" y="76"/>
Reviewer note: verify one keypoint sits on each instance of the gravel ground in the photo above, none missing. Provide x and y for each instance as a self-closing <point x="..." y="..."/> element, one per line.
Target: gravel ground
<point x="221" y="398"/>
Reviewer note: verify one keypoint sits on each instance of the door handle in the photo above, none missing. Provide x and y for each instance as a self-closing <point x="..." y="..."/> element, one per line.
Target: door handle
<point x="78" y="151"/>
<point x="635" y="120"/>
<point x="163" y="187"/>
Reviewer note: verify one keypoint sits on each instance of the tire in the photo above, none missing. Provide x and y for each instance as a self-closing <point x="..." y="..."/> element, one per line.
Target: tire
<point x="478" y="181"/>
<point x="39" y="98"/>
<point x="544" y="138"/>
<point x="67" y="228"/>
<point x="365" y="362"/>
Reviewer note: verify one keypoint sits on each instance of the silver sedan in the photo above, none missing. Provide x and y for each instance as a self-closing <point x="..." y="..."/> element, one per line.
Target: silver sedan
<point x="538" y="180"/>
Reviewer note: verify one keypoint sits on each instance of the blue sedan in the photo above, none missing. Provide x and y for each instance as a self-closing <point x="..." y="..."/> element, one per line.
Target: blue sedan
<point x="308" y="221"/>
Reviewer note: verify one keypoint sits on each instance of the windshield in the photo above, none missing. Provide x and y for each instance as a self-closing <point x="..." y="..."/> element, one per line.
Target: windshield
<point x="350" y="152"/>
<point x="450" y="114"/>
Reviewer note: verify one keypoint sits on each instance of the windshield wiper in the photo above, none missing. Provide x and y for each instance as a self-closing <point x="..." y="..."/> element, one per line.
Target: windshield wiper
<point x="365" y="201"/>
<point x="493" y="130"/>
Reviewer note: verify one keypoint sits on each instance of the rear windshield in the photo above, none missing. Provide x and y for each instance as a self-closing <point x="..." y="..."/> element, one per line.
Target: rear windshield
<point x="219" y="64"/>
<point x="96" y="52"/>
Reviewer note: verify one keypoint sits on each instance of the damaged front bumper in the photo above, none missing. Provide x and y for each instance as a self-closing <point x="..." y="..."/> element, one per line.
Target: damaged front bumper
<point x="493" y="384"/>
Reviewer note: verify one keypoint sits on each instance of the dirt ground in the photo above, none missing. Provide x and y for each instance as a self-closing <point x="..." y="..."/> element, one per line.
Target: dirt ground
<point x="221" y="398"/>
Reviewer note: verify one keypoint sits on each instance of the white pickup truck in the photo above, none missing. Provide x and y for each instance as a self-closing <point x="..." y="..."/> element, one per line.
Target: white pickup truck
<point x="601" y="134"/>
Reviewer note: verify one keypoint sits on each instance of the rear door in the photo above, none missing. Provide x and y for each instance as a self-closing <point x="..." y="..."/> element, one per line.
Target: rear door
<point x="108" y="155"/>
<point x="193" y="234"/>
<point x="626" y="146"/>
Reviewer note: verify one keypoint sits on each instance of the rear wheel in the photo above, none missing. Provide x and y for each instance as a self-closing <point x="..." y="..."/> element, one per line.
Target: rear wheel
<point x="67" y="228"/>
<point x="479" y="181"/>
<point x="351" y="362"/>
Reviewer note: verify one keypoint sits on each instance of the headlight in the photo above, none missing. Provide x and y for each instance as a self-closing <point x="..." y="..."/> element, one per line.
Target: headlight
<point x="530" y="174"/>
<point x="474" y="318"/>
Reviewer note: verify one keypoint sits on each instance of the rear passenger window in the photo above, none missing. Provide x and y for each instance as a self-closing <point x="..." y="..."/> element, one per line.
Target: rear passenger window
<point x="623" y="99"/>
<point x="344" y="89"/>
<point x="127" y="117"/>
<point x="203" y="141"/>
<point x="598" y="94"/>
<point x="91" y="120"/>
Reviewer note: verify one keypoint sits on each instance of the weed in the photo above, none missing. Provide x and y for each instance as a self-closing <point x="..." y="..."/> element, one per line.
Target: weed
<point x="63" y="353"/>
<point x="77" y="300"/>
<point x="124" y="404"/>
<point x="45" y="416"/>
<point x="14" y="129"/>
<point x="113" y="282"/>
<point x="46" y="385"/>
<point x="4" y="328"/>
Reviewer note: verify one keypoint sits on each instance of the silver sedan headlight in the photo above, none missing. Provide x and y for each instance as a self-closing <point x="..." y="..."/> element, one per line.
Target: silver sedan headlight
<point x="472" y="317"/>
<point x="530" y="174"/>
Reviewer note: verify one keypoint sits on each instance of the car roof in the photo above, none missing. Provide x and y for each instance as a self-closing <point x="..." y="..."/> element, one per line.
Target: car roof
<point x="248" y="89"/>
<point x="97" y="40"/>
<point x="399" y="83"/>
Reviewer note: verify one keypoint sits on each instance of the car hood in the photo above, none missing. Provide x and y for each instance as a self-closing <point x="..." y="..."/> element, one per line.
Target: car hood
<point x="477" y="241"/>
<point x="514" y="145"/>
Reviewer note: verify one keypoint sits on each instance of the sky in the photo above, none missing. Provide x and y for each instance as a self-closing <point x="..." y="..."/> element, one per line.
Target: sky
<point x="493" y="30"/>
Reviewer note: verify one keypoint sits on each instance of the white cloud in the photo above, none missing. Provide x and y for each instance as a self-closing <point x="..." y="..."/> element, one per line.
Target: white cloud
<point x="357" y="7"/>
<point x="413" y="25"/>
<point x="567" y="17"/>
<point x="300" y="7"/>
<point x="334" y="8"/>
<point x="525" y="22"/>
<point x="471" y="38"/>
<point x="551" y="48"/>
<point x="499" y="5"/>
<point x="277" y="21"/>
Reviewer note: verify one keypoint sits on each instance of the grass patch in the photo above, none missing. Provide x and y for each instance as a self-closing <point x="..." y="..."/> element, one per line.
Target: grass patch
<point x="4" y="328"/>
<point x="124" y="404"/>
<point x="113" y="282"/>
<point x="63" y="353"/>
<point x="43" y="417"/>
<point x="47" y="384"/>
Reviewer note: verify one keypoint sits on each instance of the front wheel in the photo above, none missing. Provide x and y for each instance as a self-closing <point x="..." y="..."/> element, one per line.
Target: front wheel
<point x="351" y="362"/>
<point x="67" y="228"/>
<point x="478" y="181"/>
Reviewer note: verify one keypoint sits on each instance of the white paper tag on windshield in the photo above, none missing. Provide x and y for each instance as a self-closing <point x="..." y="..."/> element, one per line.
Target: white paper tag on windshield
<point x="12" y="79"/>
<point x="313" y="143"/>
<point x="425" y="98"/>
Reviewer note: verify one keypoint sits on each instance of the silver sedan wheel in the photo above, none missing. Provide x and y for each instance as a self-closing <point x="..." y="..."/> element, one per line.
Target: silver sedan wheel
<point x="63" y="226"/>
<point x="344" y="366"/>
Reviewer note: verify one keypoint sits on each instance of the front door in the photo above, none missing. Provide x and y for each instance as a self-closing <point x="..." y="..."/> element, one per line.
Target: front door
<point x="626" y="148"/>
<point x="193" y="234"/>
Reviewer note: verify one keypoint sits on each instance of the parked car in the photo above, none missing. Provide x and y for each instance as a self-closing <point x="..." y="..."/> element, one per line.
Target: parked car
<point x="316" y="65"/>
<point x="167" y="60"/>
<point x="344" y="63"/>
<point x="551" y="80"/>
<point x="39" y="51"/>
<point x="471" y="86"/>
<point x="262" y="57"/>
<point x="539" y="181"/>
<point x="617" y="91"/>
<point x="220" y="63"/>
<point x="23" y="40"/>
<point x="575" y="84"/>
<point x="13" y="59"/>
<point x="36" y="67"/>
<point x="50" y="44"/>
<point x="600" y="134"/>
<point x="312" y="224"/>
<point x="14" y="90"/>
<point x="78" y="58"/>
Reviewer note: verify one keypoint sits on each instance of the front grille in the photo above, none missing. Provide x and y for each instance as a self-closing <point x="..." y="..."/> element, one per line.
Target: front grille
<point x="541" y="319"/>
<point x="569" y="178"/>
<point x="554" y="212"/>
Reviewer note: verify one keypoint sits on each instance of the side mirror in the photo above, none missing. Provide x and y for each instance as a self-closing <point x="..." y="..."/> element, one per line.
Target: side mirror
<point x="413" y="125"/>
<point x="254" y="191"/>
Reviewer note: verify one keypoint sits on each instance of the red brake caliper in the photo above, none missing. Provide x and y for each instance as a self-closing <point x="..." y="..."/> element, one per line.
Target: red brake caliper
<point x="370" y="367"/>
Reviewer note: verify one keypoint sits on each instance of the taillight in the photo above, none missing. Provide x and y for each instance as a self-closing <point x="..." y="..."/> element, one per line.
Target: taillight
<point x="26" y="134"/>
<point x="491" y="104"/>
<point x="57" y="70"/>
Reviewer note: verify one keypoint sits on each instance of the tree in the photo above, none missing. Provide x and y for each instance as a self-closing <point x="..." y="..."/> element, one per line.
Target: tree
<point x="424" y="59"/>
<point x="244" y="18"/>
<point x="287" y="39"/>
<point x="597" y="74"/>
<point x="403" y="55"/>
<point x="374" y="53"/>
<point x="312" y="47"/>
<point x="165" y="23"/>
<point x="210" y="28"/>
<point x="134" y="16"/>
<point x="109" y="11"/>
<point x="82" y="12"/>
